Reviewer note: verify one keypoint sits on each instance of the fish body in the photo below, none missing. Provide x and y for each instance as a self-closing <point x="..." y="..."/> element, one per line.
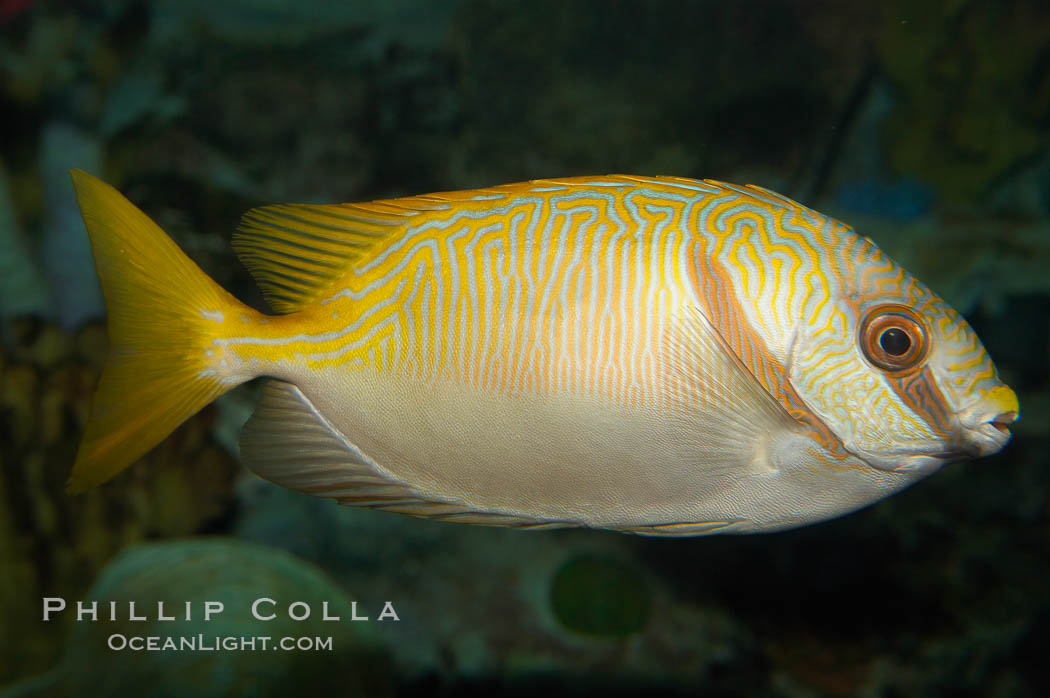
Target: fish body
<point x="654" y="355"/>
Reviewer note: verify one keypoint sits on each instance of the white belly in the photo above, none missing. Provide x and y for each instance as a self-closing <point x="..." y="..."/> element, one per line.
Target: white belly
<point x="566" y="458"/>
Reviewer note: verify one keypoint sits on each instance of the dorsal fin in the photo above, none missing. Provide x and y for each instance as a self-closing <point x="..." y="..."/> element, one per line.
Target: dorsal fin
<point x="297" y="251"/>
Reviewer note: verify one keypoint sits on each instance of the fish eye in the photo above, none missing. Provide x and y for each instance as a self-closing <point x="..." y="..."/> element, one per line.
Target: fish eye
<point x="895" y="341"/>
<point x="893" y="338"/>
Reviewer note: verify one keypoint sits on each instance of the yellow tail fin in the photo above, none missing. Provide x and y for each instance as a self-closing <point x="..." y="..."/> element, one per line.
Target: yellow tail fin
<point x="162" y="310"/>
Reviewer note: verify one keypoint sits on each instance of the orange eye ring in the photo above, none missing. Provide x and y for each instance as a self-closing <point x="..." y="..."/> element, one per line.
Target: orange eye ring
<point x="893" y="338"/>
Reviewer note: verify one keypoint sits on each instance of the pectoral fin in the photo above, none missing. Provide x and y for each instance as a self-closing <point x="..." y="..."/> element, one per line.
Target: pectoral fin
<point x="737" y="420"/>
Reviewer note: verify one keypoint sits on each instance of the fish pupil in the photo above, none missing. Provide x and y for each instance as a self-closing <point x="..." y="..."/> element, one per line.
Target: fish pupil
<point x="895" y="341"/>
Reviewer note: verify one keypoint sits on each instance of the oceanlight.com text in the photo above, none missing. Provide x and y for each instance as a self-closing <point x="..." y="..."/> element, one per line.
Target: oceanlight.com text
<point x="216" y="643"/>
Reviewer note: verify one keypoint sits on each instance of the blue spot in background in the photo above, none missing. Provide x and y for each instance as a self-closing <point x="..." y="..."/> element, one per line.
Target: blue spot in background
<point x="903" y="199"/>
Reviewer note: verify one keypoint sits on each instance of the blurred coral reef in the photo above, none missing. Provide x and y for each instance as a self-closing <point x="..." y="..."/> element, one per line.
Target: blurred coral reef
<point x="54" y="544"/>
<point x="165" y="577"/>
<point x="924" y="125"/>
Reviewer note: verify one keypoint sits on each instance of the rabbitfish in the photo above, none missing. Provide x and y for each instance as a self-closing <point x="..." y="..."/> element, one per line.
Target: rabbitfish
<point x="655" y="355"/>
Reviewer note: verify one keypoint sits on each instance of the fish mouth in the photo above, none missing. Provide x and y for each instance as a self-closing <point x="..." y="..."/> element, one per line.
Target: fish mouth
<point x="1003" y="421"/>
<point x="989" y="436"/>
<point x="977" y="441"/>
<point x="966" y="443"/>
<point x="983" y="428"/>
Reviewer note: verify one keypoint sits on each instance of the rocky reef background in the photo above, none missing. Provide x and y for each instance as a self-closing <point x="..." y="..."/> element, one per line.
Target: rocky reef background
<point x="926" y="125"/>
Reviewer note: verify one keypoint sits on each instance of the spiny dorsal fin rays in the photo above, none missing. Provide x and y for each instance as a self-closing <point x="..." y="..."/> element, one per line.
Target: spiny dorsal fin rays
<point x="772" y="198"/>
<point x="762" y="196"/>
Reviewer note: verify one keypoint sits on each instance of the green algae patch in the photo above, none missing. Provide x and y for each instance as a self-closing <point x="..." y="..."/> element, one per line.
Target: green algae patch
<point x="600" y="596"/>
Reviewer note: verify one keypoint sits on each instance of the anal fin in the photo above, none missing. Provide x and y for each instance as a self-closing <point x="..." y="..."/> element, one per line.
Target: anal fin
<point x="289" y="442"/>
<point x="678" y="530"/>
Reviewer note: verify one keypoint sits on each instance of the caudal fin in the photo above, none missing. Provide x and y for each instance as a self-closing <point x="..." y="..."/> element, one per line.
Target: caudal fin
<point x="163" y="313"/>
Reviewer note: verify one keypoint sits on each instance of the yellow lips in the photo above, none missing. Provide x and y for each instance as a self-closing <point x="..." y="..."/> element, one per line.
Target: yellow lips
<point x="1003" y="402"/>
